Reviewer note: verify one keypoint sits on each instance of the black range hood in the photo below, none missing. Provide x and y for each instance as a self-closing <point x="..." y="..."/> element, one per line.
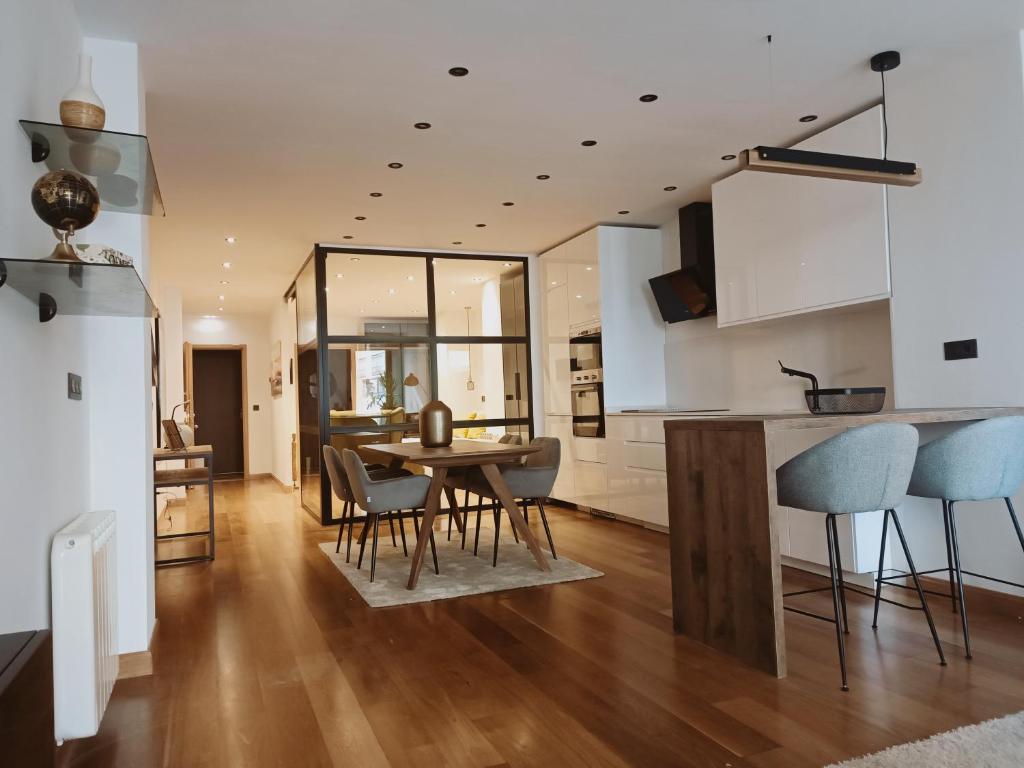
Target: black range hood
<point x="689" y="292"/>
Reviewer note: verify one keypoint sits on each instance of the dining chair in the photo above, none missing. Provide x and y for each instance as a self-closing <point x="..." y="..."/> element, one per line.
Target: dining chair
<point x="341" y="488"/>
<point x="529" y="481"/>
<point x="864" y="469"/>
<point x="980" y="462"/>
<point x="381" y="497"/>
<point x="453" y="478"/>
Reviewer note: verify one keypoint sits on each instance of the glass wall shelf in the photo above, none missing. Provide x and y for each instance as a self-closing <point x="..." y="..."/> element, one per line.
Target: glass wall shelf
<point x="69" y="288"/>
<point x="119" y="164"/>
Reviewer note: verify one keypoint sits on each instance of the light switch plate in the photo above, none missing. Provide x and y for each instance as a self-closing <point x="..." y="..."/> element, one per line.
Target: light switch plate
<point x="74" y="386"/>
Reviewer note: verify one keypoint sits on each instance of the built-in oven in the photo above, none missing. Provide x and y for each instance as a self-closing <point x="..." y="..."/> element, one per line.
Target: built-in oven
<point x="588" y="403"/>
<point x="585" y="350"/>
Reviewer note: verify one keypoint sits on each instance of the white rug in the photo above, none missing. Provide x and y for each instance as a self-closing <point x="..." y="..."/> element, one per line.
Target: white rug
<point x="461" y="573"/>
<point x="991" y="744"/>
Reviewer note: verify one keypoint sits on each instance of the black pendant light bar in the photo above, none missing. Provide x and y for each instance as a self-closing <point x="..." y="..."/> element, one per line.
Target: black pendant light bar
<point x="802" y="162"/>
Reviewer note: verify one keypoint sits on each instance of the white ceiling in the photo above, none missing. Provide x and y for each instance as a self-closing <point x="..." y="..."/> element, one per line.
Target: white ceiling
<point x="273" y="121"/>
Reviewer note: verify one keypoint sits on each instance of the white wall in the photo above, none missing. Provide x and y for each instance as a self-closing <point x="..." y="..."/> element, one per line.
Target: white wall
<point x="958" y="261"/>
<point x="44" y="455"/>
<point x="283" y="409"/>
<point x="254" y="332"/>
<point x="737" y="368"/>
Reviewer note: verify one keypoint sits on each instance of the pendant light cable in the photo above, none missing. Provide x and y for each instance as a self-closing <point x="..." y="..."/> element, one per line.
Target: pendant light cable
<point x="885" y="122"/>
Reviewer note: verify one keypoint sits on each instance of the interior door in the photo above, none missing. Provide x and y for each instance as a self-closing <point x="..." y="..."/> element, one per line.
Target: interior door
<point x="218" y="407"/>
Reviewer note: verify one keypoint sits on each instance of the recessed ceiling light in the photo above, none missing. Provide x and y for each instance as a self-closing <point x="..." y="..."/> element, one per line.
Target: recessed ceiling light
<point x="648" y="97"/>
<point x="327" y="289"/>
<point x="589" y="268"/>
<point x="340" y="276"/>
<point x="458" y="71"/>
<point x="554" y="282"/>
<point x="579" y="296"/>
<point x="226" y="265"/>
<point x="410" y="278"/>
<point x="394" y="165"/>
<point x="477" y="279"/>
<point x="588" y="143"/>
<point x="808" y="118"/>
<point x="347" y="237"/>
<point x="421" y="126"/>
<point x="481" y="225"/>
<point x="354" y="258"/>
<point x="508" y="203"/>
<point x="391" y="291"/>
<point x="360" y="218"/>
<point x="376" y="194"/>
<point x="543" y="177"/>
<point x="375" y="301"/>
<point x="452" y="291"/>
<point x="220" y="309"/>
<point x="507" y="264"/>
<point x="728" y="157"/>
<point x="671" y="189"/>
<point x="230" y="239"/>
<point x="623" y="213"/>
<point x="456" y="242"/>
<point x="221" y="297"/>
<point x="225" y="282"/>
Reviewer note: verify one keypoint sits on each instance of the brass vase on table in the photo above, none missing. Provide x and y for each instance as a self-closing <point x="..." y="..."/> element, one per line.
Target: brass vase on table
<point x="435" y="425"/>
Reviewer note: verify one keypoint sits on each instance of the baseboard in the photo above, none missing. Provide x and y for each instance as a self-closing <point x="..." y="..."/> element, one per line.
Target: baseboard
<point x="138" y="664"/>
<point x="259" y="476"/>
<point x="609" y="515"/>
<point x="283" y="484"/>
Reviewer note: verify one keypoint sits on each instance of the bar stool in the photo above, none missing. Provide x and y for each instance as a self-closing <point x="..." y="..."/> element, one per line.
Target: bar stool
<point x="981" y="462"/>
<point x="862" y="470"/>
<point x="342" y="489"/>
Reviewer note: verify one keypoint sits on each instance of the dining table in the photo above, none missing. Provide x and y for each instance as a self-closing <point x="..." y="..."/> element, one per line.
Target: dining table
<point x="464" y="454"/>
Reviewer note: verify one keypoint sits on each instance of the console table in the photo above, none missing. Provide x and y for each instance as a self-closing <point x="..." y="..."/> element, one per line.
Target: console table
<point x="173" y="478"/>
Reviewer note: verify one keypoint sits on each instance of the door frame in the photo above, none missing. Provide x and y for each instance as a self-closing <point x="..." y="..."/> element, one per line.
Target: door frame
<point x="189" y="349"/>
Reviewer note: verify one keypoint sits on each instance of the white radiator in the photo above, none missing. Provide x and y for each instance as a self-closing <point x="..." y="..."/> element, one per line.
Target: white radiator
<point x="83" y="571"/>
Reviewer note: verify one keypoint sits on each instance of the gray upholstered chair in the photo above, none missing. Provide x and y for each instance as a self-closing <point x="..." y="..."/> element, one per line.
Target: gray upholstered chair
<point x="861" y="470"/>
<point x="381" y="497"/>
<point x="342" y="489"/>
<point x="529" y="481"/>
<point x="981" y="462"/>
<point x="456" y="479"/>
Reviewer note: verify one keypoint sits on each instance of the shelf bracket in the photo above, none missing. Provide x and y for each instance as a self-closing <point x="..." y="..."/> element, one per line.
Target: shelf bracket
<point x="3" y="274"/>
<point x="40" y="148"/>
<point x="47" y="308"/>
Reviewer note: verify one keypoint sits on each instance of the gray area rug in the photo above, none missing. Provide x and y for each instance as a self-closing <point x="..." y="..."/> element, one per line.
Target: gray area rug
<point x="991" y="744"/>
<point x="461" y="572"/>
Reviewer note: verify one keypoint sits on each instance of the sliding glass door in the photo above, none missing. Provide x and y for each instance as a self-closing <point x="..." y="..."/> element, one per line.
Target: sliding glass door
<point x="395" y="330"/>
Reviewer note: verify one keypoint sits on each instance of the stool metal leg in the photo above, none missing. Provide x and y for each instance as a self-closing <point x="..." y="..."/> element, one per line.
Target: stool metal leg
<point x="391" y="524"/>
<point x="836" y="603"/>
<point x="465" y="519"/>
<point x="1016" y="522"/>
<point x="881" y="566"/>
<point x="497" y="529"/>
<point x="959" y="579"/>
<point x="839" y="573"/>
<point x="362" y="541"/>
<point x="373" y="551"/>
<point x="433" y="552"/>
<point x="917" y="584"/>
<point x="341" y="525"/>
<point x="949" y="555"/>
<point x="401" y="530"/>
<point x="351" y="524"/>
<point x="547" y="530"/>
<point x="476" y="537"/>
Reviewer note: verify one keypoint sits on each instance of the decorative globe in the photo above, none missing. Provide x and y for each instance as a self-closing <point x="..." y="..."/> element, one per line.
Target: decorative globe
<point x="65" y="200"/>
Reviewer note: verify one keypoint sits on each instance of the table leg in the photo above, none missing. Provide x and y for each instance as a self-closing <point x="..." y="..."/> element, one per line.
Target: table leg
<point x="453" y="504"/>
<point x="504" y="495"/>
<point x="429" y="513"/>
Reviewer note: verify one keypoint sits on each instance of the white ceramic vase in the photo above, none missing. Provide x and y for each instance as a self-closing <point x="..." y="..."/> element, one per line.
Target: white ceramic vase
<point x="82" y="107"/>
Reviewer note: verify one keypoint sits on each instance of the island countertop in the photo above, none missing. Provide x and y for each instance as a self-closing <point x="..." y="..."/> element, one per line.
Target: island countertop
<point x="725" y="559"/>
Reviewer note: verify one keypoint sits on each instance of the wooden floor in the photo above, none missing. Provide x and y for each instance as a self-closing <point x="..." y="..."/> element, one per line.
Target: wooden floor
<point x="267" y="657"/>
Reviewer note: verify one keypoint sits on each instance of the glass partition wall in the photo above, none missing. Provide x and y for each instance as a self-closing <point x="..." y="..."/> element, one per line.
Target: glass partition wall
<point x="381" y="333"/>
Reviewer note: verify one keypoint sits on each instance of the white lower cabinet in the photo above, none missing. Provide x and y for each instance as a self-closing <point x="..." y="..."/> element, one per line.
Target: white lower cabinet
<point x="582" y="475"/>
<point x="565" y="482"/>
<point x="637" y="485"/>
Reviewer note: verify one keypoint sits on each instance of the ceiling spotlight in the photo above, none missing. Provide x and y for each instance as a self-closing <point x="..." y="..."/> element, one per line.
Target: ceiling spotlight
<point x="221" y="297"/>
<point x="226" y="265"/>
<point x="508" y="203"/>
<point x="410" y="278"/>
<point x="728" y="157"/>
<point x="224" y="282"/>
<point x="808" y="118"/>
<point x="230" y="239"/>
<point x="394" y="165"/>
<point x="340" y="276"/>
<point x="458" y="71"/>
<point x="360" y="218"/>
<point x="220" y="309"/>
<point x="579" y="296"/>
<point x="589" y="268"/>
<point x="671" y="189"/>
<point x="327" y="289"/>
<point x="543" y="177"/>
<point x="347" y="237"/>
<point x="507" y="264"/>
<point x="554" y="282"/>
<point x="391" y="291"/>
<point x="623" y="213"/>
<point x="452" y="291"/>
<point x="588" y="143"/>
<point x="421" y="126"/>
<point x="353" y="258"/>
<point x="376" y="194"/>
<point x="477" y="279"/>
<point x="456" y="242"/>
<point x="375" y="301"/>
<point x="649" y="97"/>
<point x="481" y="225"/>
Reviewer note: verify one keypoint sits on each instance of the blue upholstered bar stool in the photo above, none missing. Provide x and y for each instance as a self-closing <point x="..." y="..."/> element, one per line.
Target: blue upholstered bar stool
<point x="981" y="462"/>
<point x="862" y="470"/>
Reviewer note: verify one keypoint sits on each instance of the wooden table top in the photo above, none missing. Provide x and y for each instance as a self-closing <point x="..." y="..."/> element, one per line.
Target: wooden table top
<point x="189" y="452"/>
<point x="775" y="422"/>
<point x="460" y="453"/>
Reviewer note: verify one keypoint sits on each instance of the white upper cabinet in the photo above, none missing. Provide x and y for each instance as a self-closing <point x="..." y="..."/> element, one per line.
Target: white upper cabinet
<point x="555" y="325"/>
<point x="791" y="244"/>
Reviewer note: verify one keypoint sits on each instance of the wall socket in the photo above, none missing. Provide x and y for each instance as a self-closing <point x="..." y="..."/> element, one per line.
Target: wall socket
<point x="961" y="350"/>
<point x="74" y="386"/>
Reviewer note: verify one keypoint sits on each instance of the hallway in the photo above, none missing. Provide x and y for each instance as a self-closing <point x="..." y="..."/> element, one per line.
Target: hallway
<point x="267" y="657"/>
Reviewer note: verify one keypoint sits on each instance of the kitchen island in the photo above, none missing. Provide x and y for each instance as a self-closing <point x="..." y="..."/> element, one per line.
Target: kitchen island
<point x="725" y="560"/>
